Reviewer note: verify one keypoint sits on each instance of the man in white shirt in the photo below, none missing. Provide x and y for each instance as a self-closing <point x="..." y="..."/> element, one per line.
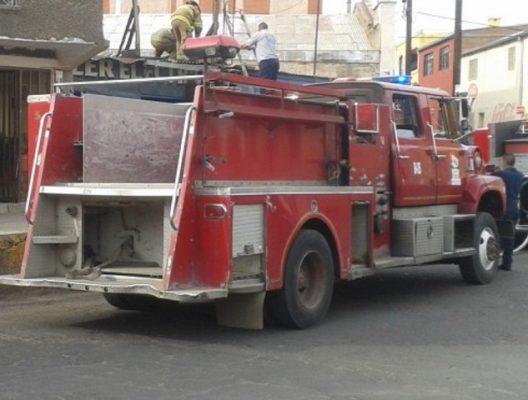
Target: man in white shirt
<point x="266" y="51"/>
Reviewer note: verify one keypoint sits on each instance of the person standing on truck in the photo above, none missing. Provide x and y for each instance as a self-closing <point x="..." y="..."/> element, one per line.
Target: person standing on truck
<point x="266" y="51"/>
<point x="184" y="21"/>
<point x="512" y="180"/>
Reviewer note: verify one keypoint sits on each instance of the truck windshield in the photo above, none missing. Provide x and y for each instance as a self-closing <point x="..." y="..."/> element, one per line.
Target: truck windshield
<point x="443" y="117"/>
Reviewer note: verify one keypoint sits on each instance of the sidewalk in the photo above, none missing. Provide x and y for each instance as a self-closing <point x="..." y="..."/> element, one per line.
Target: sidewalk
<point x="13" y="228"/>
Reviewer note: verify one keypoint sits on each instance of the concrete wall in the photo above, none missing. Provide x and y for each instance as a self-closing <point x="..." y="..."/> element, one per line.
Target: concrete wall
<point x="343" y="48"/>
<point x="386" y="17"/>
<point x="290" y="7"/>
<point x="58" y="19"/>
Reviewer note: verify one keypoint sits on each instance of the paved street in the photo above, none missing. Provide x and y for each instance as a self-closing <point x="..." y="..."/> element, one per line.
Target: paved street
<point x="406" y="334"/>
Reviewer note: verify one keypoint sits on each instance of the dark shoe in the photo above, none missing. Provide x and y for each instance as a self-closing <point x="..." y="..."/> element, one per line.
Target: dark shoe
<point x="504" y="268"/>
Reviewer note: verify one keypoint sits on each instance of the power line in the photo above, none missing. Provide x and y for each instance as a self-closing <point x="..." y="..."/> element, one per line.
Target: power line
<point x="469" y="22"/>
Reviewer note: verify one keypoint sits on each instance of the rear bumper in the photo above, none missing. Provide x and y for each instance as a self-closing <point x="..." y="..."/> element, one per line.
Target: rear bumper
<point x="119" y="284"/>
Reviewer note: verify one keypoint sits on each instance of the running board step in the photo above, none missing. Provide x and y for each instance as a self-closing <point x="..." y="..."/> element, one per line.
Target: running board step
<point x="131" y="268"/>
<point x="55" y="239"/>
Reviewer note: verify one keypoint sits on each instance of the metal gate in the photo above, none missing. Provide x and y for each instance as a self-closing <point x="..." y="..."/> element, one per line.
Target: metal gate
<point x="15" y="86"/>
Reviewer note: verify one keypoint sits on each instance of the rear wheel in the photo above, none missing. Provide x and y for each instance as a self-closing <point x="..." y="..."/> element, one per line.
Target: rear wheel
<point x="481" y="267"/>
<point x="133" y="302"/>
<point x="308" y="283"/>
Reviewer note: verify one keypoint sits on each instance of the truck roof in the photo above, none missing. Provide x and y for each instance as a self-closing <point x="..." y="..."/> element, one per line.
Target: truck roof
<point x="373" y="91"/>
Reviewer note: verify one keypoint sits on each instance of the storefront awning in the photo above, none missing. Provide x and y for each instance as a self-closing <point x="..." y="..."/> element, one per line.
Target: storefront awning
<point x="63" y="54"/>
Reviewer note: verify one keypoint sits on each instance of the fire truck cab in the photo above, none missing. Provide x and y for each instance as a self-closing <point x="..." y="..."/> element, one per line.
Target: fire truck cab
<point x="256" y="194"/>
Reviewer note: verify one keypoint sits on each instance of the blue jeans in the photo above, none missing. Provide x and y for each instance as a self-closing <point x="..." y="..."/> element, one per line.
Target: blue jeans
<point x="508" y="244"/>
<point x="269" y="69"/>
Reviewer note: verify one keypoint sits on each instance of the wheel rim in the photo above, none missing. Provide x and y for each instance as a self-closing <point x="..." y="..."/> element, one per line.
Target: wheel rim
<point x="310" y="281"/>
<point x="487" y="249"/>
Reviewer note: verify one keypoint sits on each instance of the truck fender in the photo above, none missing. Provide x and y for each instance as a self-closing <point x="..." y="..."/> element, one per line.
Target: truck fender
<point x="483" y="193"/>
<point x="317" y="222"/>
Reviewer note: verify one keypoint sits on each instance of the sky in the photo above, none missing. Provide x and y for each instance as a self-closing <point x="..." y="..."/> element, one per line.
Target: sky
<point x="433" y="16"/>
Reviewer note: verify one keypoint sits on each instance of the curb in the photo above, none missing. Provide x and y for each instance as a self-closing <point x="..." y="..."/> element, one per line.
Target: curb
<point x="11" y="208"/>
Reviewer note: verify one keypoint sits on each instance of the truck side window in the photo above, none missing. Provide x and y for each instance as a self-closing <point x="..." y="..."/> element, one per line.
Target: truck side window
<point x="439" y="117"/>
<point x="405" y="116"/>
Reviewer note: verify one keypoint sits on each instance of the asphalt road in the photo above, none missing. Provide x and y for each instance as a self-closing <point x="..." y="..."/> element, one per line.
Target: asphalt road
<point x="405" y="334"/>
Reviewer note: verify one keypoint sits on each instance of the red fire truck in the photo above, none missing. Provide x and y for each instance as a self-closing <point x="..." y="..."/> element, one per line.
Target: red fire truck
<point x="510" y="137"/>
<point x="257" y="194"/>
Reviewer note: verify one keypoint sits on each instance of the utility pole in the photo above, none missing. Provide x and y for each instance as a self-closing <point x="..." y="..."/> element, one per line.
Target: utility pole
<point x="457" y="44"/>
<point x="408" y="37"/>
<point x="316" y="36"/>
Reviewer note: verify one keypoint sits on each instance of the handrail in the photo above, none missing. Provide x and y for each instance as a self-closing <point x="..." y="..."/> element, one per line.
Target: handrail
<point x="277" y="85"/>
<point x="36" y="161"/>
<point x="137" y="80"/>
<point x="179" y="168"/>
<point x="435" y="149"/>
<point x="397" y="141"/>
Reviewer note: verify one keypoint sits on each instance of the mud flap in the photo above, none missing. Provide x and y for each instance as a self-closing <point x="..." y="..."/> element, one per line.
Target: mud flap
<point x="245" y="311"/>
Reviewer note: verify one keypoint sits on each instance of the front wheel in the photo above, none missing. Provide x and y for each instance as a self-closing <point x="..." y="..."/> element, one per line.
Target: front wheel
<point x="308" y="285"/>
<point x="480" y="268"/>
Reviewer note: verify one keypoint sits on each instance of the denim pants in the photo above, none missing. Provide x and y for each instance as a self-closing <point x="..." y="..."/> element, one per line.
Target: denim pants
<point x="269" y="69"/>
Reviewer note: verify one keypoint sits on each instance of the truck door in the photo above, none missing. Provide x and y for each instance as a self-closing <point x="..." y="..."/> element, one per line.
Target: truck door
<point x="414" y="169"/>
<point x="450" y="158"/>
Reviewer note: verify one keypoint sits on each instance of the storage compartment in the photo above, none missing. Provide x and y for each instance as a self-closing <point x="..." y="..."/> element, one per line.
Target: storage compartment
<point x="126" y="238"/>
<point x="458" y="231"/>
<point x="417" y="237"/>
<point x="144" y="143"/>
<point x="248" y="241"/>
<point x="360" y="234"/>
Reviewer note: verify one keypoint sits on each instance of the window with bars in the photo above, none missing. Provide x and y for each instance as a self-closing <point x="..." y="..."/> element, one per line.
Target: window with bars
<point x="473" y="69"/>
<point x="511" y="58"/>
<point x="444" y="57"/>
<point x="9" y="3"/>
<point x="428" y="64"/>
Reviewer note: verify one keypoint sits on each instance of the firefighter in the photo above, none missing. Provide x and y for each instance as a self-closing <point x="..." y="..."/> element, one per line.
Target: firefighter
<point x="512" y="180"/>
<point x="184" y="20"/>
<point x="163" y="41"/>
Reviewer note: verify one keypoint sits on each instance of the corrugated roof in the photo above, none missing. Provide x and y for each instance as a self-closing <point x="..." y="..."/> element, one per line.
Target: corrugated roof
<point x="476" y="38"/>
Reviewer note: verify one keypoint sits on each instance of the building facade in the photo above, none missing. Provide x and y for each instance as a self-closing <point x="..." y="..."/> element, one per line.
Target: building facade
<point x="436" y="60"/>
<point x="496" y="76"/>
<point x="39" y="40"/>
<point x="263" y="7"/>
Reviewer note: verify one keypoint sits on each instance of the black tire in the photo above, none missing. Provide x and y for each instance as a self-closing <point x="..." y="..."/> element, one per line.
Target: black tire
<point x="308" y="284"/>
<point x="131" y="302"/>
<point x="481" y="267"/>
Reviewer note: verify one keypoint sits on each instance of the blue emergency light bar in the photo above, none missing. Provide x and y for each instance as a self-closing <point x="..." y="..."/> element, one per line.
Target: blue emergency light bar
<point x="399" y="79"/>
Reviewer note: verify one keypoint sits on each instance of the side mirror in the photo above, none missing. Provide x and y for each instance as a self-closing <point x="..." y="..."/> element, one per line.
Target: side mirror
<point x="464" y="108"/>
<point x="464" y="125"/>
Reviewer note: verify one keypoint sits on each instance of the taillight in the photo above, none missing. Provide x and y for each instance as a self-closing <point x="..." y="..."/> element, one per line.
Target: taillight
<point x="215" y="211"/>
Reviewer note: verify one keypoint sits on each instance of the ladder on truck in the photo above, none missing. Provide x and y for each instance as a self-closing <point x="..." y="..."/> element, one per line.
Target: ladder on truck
<point x="131" y="32"/>
<point x="229" y="21"/>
